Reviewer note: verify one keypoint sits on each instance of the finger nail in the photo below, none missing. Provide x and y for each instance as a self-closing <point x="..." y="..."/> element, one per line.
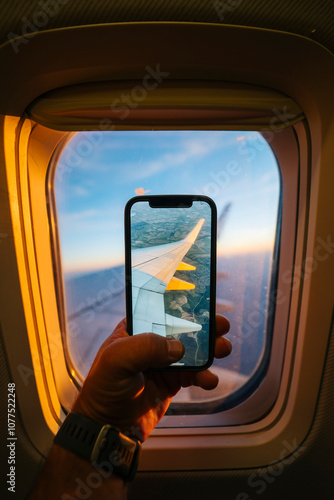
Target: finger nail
<point x="229" y="346"/>
<point x="175" y="349"/>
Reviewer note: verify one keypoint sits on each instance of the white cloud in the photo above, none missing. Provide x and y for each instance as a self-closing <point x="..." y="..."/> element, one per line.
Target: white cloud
<point x="81" y="215"/>
<point x="80" y="191"/>
<point x="188" y="150"/>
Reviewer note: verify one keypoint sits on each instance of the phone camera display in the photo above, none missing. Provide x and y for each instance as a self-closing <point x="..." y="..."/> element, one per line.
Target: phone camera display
<point x="171" y="274"/>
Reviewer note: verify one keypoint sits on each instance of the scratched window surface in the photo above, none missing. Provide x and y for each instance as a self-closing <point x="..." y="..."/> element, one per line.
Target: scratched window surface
<point x="98" y="172"/>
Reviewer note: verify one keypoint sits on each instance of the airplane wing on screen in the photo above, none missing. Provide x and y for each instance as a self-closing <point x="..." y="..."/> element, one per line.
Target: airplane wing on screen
<point x="153" y="271"/>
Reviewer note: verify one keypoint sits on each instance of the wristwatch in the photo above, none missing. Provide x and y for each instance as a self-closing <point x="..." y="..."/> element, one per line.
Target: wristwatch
<point x="103" y="445"/>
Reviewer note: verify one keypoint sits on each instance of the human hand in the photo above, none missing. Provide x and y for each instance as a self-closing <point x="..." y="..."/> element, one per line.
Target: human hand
<point x="120" y="391"/>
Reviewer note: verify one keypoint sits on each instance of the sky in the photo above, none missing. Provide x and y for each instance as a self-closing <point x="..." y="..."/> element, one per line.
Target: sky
<point x="98" y="172"/>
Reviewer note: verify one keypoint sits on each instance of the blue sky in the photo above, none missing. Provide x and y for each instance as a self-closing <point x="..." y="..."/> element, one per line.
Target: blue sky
<point x="98" y="172"/>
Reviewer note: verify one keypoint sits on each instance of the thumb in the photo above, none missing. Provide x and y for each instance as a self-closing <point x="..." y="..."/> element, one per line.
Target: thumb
<point x="139" y="352"/>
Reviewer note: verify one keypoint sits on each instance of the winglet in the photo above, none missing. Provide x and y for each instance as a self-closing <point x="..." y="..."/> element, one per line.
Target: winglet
<point x="194" y="233"/>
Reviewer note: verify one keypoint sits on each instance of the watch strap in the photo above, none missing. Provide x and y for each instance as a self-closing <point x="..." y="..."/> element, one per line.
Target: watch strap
<point x="103" y="445"/>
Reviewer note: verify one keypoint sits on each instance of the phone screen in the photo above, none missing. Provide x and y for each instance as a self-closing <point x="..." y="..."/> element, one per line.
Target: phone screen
<point x="171" y="272"/>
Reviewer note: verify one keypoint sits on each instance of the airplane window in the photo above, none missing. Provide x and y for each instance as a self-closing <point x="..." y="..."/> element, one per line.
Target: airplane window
<point x="98" y="172"/>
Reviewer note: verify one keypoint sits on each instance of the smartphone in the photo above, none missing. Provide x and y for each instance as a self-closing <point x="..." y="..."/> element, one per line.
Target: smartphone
<point x="170" y="269"/>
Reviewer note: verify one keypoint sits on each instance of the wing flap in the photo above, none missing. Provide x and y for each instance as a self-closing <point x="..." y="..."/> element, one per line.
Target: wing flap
<point x="176" y="325"/>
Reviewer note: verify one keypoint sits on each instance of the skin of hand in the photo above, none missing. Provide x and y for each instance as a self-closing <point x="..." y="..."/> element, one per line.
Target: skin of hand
<point x="120" y="390"/>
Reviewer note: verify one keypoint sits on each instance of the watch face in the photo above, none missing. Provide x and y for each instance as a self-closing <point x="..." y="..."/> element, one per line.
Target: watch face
<point x="117" y="452"/>
<point x="112" y="451"/>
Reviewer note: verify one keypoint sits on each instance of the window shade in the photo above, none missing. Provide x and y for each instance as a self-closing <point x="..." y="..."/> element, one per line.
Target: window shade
<point x="148" y="104"/>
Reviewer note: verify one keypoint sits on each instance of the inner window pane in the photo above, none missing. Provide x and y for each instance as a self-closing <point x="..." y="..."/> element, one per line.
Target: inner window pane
<point x="98" y="172"/>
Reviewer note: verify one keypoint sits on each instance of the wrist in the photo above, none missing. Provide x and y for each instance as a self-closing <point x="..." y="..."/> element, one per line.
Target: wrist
<point x="104" y="446"/>
<point x="74" y="477"/>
